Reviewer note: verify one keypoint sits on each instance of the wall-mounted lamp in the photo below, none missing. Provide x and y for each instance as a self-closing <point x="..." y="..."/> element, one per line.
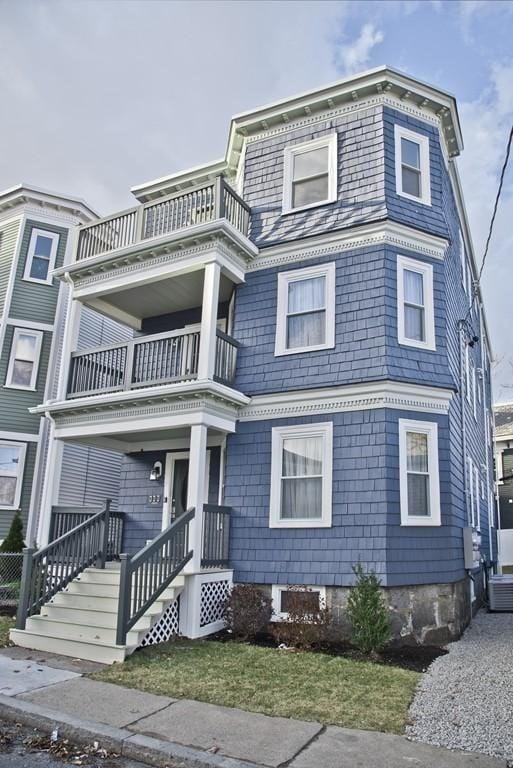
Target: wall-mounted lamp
<point x="156" y="472"/>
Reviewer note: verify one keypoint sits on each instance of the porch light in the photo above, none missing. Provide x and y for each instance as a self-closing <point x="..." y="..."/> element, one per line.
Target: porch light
<point x="156" y="472"/>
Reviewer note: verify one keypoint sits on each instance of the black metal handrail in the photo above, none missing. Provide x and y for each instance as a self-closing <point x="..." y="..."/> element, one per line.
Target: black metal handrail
<point x="49" y="570"/>
<point x="216" y="536"/>
<point x="64" y="518"/>
<point x="147" y="574"/>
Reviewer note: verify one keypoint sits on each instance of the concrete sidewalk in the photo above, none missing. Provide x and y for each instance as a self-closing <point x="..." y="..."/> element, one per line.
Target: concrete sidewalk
<point x="163" y="731"/>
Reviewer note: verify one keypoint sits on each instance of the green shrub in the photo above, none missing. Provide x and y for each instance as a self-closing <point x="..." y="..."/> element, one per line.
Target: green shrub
<point x="368" y="613"/>
<point x="308" y="619"/>
<point x="13" y="542"/>
<point x="248" y="611"/>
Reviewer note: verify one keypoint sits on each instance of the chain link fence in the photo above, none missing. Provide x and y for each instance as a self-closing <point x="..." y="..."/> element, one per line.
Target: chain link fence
<point x="11" y="564"/>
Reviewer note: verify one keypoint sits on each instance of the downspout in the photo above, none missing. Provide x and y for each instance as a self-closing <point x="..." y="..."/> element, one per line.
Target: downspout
<point x="464" y="436"/>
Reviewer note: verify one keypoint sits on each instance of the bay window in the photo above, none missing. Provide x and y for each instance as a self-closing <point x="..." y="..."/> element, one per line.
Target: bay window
<point x="24" y="360"/>
<point x="412" y="165"/>
<point x="415" y="304"/>
<point x="419" y="479"/>
<point x="310" y="174"/>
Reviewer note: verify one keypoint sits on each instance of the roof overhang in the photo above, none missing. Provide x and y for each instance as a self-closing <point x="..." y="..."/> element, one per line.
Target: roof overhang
<point x="26" y="194"/>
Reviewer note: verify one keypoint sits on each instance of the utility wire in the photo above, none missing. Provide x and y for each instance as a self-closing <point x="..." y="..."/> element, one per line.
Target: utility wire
<point x="492" y="221"/>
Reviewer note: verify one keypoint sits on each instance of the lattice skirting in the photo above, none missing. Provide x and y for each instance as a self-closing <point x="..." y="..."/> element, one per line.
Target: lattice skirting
<point x="167" y="626"/>
<point x="213" y="599"/>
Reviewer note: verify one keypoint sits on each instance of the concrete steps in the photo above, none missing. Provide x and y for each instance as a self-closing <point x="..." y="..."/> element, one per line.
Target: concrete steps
<point x="81" y="620"/>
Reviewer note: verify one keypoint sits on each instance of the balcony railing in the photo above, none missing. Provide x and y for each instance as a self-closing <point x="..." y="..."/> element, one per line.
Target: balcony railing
<point x="200" y="205"/>
<point x="148" y="361"/>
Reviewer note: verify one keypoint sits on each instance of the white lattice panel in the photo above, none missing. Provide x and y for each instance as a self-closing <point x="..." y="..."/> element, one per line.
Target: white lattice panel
<point x="213" y="599"/>
<point x="166" y="626"/>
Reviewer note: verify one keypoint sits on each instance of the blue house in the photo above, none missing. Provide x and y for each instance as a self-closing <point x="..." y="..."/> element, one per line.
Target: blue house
<point x="307" y="387"/>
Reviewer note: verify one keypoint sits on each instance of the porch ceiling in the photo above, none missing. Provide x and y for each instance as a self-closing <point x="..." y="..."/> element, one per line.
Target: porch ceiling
<point x="159" y="298"/>
<point x="162" y="439"/>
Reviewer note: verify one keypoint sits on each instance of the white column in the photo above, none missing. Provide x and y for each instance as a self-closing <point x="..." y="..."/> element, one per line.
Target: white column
<point x="71" y="331"/>
<point x="196" y="493"/>
<point x="51" y="485"/>
<point x="207" y="350"/>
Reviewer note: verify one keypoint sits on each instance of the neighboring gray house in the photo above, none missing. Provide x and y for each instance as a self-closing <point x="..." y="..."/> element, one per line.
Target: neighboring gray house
<point x="37" y="230"/>
<point x="504" y="478"/>
<point x="308" y="386"/>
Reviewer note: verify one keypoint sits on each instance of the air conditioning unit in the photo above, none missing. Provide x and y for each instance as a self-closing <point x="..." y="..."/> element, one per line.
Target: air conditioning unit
<point x="500" y="591"/>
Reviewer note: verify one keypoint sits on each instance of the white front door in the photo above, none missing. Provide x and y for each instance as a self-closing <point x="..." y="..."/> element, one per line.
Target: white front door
<point x="175" y="485"/>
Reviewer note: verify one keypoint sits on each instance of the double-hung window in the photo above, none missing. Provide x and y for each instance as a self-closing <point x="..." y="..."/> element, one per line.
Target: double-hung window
<point x="24" y="360"/>
<point x="12" y="462"/>
<point x="305" y="318"/>
<point x="419" y="479"/>
<point x="412" y="173"/>
<point x="301" y="475"/>
<point x="41" y="256"/>
<point x="310" y="174"/>
<point x="415" y="304"/>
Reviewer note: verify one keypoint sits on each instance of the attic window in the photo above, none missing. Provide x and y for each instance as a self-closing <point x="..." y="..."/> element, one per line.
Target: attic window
<point x="310" y="174"/>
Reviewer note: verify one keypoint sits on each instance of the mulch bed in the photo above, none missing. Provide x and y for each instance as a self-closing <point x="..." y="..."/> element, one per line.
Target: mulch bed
<point x="417" y="658"/>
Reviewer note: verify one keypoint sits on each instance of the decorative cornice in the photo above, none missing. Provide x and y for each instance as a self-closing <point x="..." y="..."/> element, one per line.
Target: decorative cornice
<point x="379" y="233"/>
<point x="354" y="397"/>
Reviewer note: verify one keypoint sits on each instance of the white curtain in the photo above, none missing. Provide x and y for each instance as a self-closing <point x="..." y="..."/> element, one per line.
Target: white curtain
<point x="301" y="495"/>
<point x="413" y="305"/>
<point x="418" y="479"/>
<point x="308" y="298"/>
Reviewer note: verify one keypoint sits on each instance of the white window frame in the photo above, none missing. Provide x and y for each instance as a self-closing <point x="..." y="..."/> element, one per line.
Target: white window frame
<point x="38" y="335"/>
<point x="54" y="237"/>
<point x="467" y="373"/>
<point x="425" y="175"/>
<point x="463" y="260"/>
<point x="477" y="522"/>
<point x="290" y="152"/>
<point x="430" y="429"/>
<point x="471" y="489"/>
<point x="279" y="434"/>
<point x="18" y="474"/>
<point x="473" y="384"/>
<point x="426" y="270"/>
<point x="284" y="279"/>
<point x="276" y="591"/>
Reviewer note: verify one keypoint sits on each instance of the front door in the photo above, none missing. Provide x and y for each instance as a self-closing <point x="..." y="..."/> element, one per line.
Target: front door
<point x="175" y="484"/>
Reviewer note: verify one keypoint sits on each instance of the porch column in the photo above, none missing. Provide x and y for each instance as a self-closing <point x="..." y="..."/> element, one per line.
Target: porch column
<point x="51" y="484"/>
<point x="196" y="493"/>
<point x="207" y="350"/>
<point x="71" y="331"/>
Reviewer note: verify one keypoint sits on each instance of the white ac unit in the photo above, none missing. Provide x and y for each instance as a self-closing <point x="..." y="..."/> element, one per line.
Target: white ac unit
<point x="500" y="591"/>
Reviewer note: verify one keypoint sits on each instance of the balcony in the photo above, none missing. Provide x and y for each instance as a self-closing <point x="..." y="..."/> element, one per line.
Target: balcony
<point x="171" y="214"/>
<point x="148" y="361"/>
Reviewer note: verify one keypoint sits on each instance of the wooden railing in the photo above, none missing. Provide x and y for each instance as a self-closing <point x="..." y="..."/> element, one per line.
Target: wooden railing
<point x="63" y="519"/>
<point x="147" y="361"/>
<point x="216" y="536"/>
<point x="147" y="574"/>
<point x="49" y="570"/>
<point x="200" y="205"/>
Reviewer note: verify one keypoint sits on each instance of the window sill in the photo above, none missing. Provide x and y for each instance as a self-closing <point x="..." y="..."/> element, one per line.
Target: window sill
<point x="422" y="200"/>
<point x="328" y="201"/>
<point x="38" y="282"/>
<point x="427" y="346"/>
<point x="300" y="524"/>
<point x="416" y="522"/>
<point x="302" y="350"/>
<point x="18" y="387"/>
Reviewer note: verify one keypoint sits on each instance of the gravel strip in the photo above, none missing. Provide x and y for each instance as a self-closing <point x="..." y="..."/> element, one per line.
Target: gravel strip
<point x="465" y="699"/>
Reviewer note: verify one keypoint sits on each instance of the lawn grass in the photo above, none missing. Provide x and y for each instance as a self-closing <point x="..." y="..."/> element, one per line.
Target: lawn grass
<point x="6" y="623"/>
<point x="306" y="686"/>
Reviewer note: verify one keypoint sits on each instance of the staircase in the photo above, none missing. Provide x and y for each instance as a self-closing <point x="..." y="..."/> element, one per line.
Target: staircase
<point x="81" y="620"/>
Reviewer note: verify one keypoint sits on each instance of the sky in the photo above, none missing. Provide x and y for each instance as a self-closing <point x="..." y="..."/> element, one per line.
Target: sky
<point x="100" y="95"/>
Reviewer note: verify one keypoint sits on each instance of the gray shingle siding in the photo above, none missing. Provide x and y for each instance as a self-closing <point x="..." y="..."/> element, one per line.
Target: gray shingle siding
<point x="8" y="241"/>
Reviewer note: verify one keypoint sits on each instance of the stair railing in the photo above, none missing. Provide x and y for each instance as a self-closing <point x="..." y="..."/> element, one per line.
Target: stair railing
<point x="49" y="570"/>
<point x="147" y="574"/>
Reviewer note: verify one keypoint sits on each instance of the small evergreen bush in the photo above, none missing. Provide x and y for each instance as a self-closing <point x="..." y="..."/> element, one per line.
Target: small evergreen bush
<point x="368" y="613"/>
<point x="10" y="567"/>
<point x="308" y="621"/>
<point x="248" y="611"/>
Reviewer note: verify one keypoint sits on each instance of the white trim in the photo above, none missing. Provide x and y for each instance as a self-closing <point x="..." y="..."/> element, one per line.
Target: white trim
<point x="18" y="474"/>
<point x="25" y="437"/>
<point x="279" y="434"/>
<point x="471" y="511"/>
<point x="284" y="279"/>
<point x="477" y="524"/>
<point x="429" y="428"/>
<point x="30" y="325"/>
<point x="54" y="237"/>
<point x="365" y="236"/>
<point x="38" y="335"/>
<point x="277" y="589"/>
<point x="37" y="482"/>
<point x="424" y="170"/>
<point x="290" y="152"/>
<point x="11" y="281"/>
<point x="426" y="270"/>
<point x="352" y="397"/>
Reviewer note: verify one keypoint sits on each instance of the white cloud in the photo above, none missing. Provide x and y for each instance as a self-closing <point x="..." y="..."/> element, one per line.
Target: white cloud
<point x="486" y="122"/>
<point x="355" y="56"/>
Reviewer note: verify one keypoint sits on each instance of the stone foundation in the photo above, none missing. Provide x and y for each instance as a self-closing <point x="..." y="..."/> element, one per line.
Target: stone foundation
<point x="426" y="614"/>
